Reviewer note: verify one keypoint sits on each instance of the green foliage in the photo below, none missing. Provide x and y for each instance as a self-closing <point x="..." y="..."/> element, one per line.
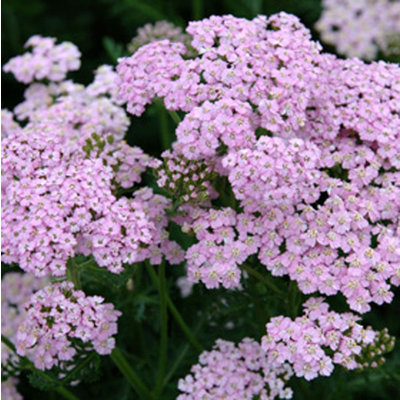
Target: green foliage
<point x="42" y="381"/>
<point x="114" y="49"/>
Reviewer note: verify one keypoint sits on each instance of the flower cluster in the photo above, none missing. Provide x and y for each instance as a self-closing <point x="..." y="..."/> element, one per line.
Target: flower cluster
<point x="73" y="106"/>
<point x="276" y="172"/>
<point x="342" y="244"/>
<point x="56" y="201"/>
<point x="282" y="153"/>
<point x="128" y="164"/>
<point x="361" y="101"/>
<point x="222" y="247"/>
<point x="46" y="60"/>
<point x="131" y="231"/>
<point x="62" y="173"/>
<point x="61" y="321"/>
<point x="235" y="372"/>
<point x="155" y="207"/>
<point x="159" y="31"/>
<point x="206" y="129"/>
<point x="50" y="195"/>
<point x="330" y="250"/>
<point x="117" y="236"/>
<point x="266" y="62"/>
<point x="304" y="342"/>
<point x="309" y="144"/>
<point x="7" y="123"/>
<point x="360" y="28"/>
<point x="16" y="289"/>
<point x="104" y="83"/>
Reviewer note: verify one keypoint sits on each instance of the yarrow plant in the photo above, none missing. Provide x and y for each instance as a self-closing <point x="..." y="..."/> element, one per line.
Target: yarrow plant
<point x="283" y="178"/>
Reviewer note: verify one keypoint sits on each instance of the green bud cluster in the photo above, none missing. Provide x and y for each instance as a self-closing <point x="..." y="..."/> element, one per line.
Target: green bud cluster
<point x="96" y="143"/>
<point x="185" y="180"/>
<point x="372" y="355"/>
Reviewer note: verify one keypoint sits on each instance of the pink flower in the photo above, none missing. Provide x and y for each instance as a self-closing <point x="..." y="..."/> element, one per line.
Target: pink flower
<point x="58" y="314"/>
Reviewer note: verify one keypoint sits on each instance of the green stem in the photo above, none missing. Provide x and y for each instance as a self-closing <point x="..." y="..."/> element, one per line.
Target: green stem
<point x="182" y="354"/>
<point x="147" y="9"/>
<point x="174" y="115"/>
<point x="263" y="279"/>
<point x="79" y="367"/>
<point x="184" y="327"/>
<point x="197" y="9"/>
<point x="8" y="343"/>
<point x="175" y="313"/>
<point x="66" y="393"/>
<point x="164" y="127"/>
<point x="130" y="375"/>
<point x="290" y="300"/>
<point x="73" y="273"/>
<point x="164" y="329"/>
<point x="91" y="261"/>
<point x="293" y="299"/>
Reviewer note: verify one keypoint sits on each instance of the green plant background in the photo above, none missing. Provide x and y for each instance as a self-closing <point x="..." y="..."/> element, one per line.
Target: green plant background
<point x="101" y="29"/>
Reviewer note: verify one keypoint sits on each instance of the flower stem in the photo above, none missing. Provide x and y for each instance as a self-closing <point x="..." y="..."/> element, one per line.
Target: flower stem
<point x="73" y="273"/>
<point x="164" y="330"/>
<point x="163" y="120"/>
<point x="294" y="298"/>
<point x="174" y="115"/>
<point x="130" y="375"/>
<point x="8" y="343"/>
<point x="182" y="353"/>
<point x="66" y="393"/>
<point x="262" y="279"/>
<point x="197" y="9"/>
<point x="91" y="261"/>
<point x="175" y="313"/>
<point x="184" y="327"/>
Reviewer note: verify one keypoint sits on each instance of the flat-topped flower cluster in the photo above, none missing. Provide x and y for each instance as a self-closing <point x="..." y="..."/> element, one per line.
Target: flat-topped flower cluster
<point x="56" y="317"/>
<point x="46" y="60"/>
<point x="235" y="372"/>
<point x="302" y="342"/>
